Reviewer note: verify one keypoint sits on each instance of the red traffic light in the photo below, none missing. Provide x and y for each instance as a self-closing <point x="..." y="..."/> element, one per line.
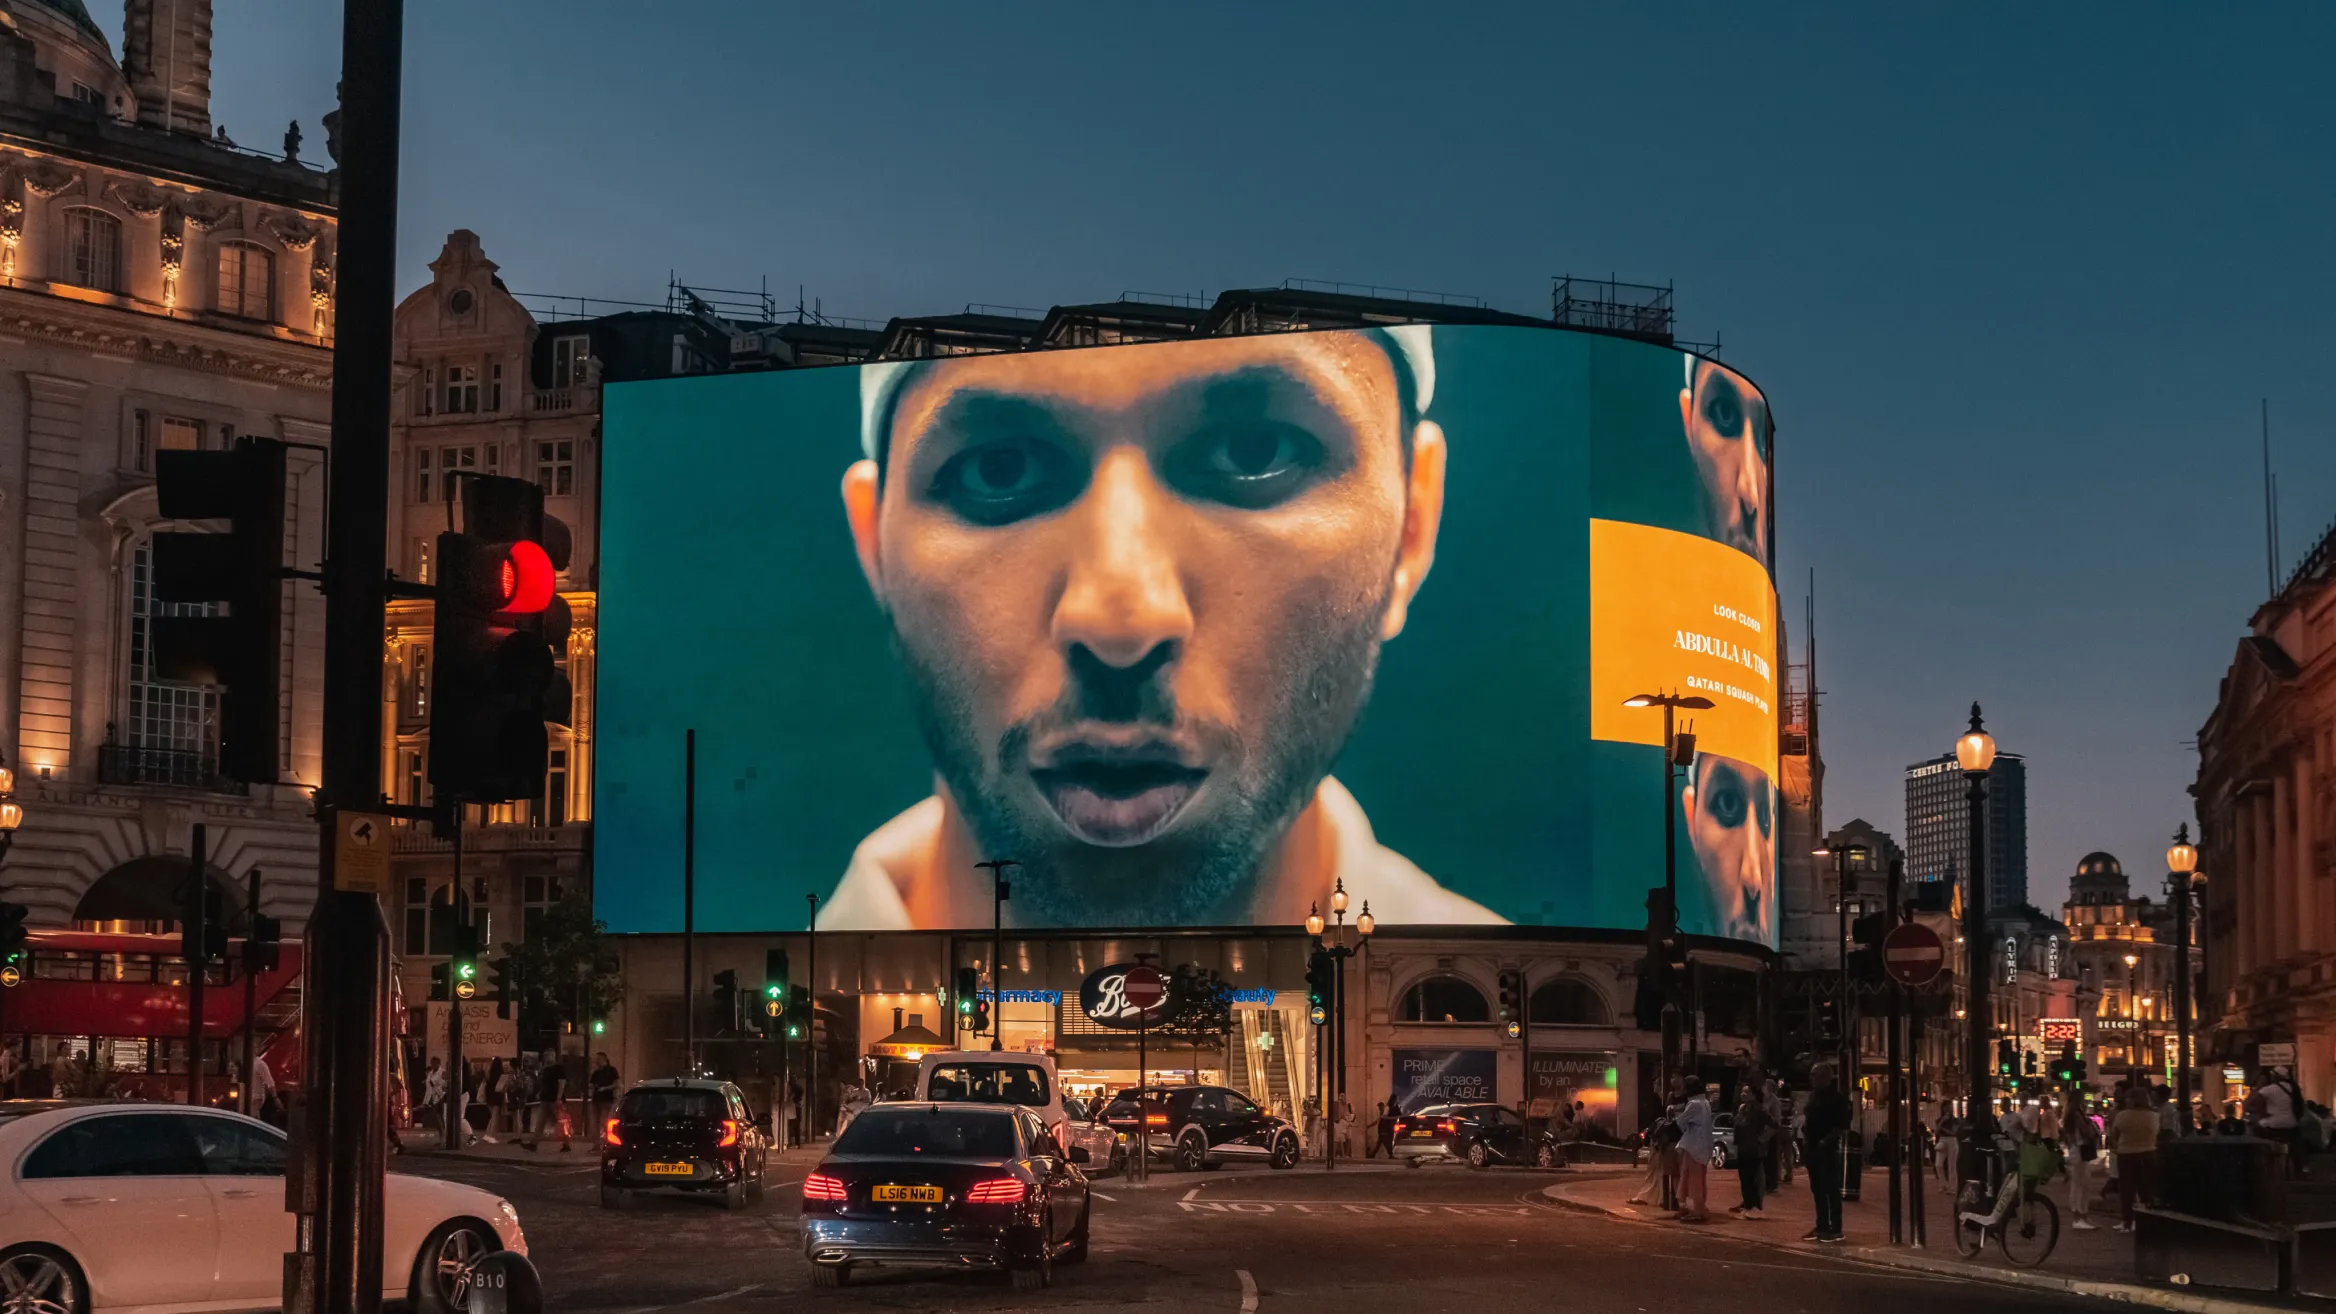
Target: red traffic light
<point x="528" y="579"/>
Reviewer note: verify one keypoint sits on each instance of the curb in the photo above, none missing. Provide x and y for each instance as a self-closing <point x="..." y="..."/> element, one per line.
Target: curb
<point x="2129" y="1292"/>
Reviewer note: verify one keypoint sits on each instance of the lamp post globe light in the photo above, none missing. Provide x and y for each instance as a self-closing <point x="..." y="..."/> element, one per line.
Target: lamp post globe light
<point x="2183" y="879"/>
<point x="1975" y="754"/>
<point x="1334" y="1097"/>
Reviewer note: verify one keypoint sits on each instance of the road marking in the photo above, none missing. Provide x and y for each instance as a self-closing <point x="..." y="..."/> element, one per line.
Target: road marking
<point x="1101" y="1196"/>
<point x="1248" y="1291"/>
<point x="1189" y="1194"/>
<point x="701" y="1300"/>
<point x="1403" y="1208"/>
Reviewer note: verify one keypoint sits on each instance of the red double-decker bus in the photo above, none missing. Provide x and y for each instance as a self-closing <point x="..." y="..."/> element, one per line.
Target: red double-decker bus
<point x="102" y="1013"/>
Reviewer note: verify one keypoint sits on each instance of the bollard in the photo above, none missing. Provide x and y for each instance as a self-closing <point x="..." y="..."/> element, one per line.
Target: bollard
<point x="505" y="1283"/>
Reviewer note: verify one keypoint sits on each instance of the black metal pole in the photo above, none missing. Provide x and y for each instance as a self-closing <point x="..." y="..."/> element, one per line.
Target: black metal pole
<point x="1670" y="1016"/>
<point x="457" y="1082"/>
<point x="336" y="1265"/>
<point x="251" y="989"/>
<point x="1914" y="1215"/>
<point x="1847" y="1046"/>
<point x="198" y="941"/>
<point x="1897" y="1079"/>
<point x="689" y="902"/>
<point x="1337" y="1041"/>
<point x="811" y="1028"/>
<point x="1978" y="1064"/>
<point x="2182" y="889"/>
<point x="997" y="955"/>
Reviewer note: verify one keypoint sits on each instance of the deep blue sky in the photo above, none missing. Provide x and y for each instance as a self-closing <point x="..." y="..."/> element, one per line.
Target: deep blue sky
<point x="2014" y="282"/>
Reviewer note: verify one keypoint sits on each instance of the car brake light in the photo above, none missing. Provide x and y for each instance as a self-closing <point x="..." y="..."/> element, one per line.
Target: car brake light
<point x="997" y="1190"/>
<point x="820" y="1186"/>
<point x="1447" y="1127"/>
<point x="1155" y="1120"/>
<point x="729" y="1134"/>
<point x="611" y="1135"/>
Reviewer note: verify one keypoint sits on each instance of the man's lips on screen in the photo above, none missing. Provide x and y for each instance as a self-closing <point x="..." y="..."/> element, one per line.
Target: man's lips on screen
<point x="1116" y="794"/>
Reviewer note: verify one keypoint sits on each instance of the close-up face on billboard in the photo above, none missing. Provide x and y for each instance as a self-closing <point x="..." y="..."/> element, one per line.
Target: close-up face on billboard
<point x="1194" y="632"/>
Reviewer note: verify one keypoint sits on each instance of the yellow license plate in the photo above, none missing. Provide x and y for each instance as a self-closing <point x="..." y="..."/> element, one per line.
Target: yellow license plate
<point x="668" y="1169"/>
<point x="906" y="1194"/>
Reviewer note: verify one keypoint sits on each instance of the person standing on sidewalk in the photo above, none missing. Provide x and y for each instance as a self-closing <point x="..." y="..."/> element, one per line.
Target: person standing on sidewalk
<point x="603" y="1082"/>
<point x="1662" y="1141"/>
<point x="2133" y="1138"/>
<point x="1780" y="1144"/>
<point x="1695" y="1125"/>
<point x="1823" y="1124"/>
<point x="2080" y="1145"/>
<point x="1755" y="1135"/>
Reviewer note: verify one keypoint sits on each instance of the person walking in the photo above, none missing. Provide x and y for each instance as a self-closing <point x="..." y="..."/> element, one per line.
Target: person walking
<point x="2272" y="1110"/>
<point x="1823" y="1125"/>
<point x="1695" y="1140"/>
<point x="602" y="1081"/>
<point x="1661" y="1141"/>
<point x="1780" y="1121"/>
<point x="2080" y="1145"/>
<point x="551" y="1086"/>
<point x="2133" y="1139"/>
<point x="1755" y="1137"/>
<point x="1948" y="1144"/>
<point x="1386" y="1141"/>
<point x="497" y="1088"/>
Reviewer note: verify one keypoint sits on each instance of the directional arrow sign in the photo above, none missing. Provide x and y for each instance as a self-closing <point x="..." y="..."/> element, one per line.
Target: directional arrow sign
<point x="1913" y="954"/>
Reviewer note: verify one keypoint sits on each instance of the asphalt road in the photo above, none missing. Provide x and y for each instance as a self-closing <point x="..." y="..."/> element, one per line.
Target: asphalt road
<point x="1238" y="1241"/>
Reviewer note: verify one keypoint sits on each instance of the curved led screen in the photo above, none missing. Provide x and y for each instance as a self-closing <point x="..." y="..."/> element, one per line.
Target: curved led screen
<point x="1194" y="632"/>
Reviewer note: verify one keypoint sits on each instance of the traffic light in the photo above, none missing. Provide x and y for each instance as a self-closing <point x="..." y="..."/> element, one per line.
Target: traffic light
<point x="503" y="984"/>
<point x="13" y="939"/>
<point x="774" y="982"/>
<point x="202" y="933"/>
<point x="1865" y="961"/>
<point x="442" y="981"/>
<point x="726" y="1000"/>
<point x="2068" y="1069"/>
<point x="967" y="995"/>
<point x="1512" y="990"/>
<point x="981" y="1012"/>
<point x="2003" y="1056"/>
<point x="240" y="650"/>
<point x="463" y="962"/>
<point x="1321" y="972"/>
<point x="1828" y="1011"/>
<point x="262" y="947"/>
<point x="466" y="980"/>
<point x="498" y="631"/>
<point x="798" y="1012"/>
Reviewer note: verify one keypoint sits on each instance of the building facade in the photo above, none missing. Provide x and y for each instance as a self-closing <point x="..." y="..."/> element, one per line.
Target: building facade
<point x="160" y="289"/>
<point x="2266" y="802"/>
<point x="1938" y="821"/>
<point x="2123" y="947"/>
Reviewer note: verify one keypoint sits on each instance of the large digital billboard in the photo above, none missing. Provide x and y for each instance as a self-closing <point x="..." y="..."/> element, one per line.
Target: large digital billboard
<point x="1193" y="631"/>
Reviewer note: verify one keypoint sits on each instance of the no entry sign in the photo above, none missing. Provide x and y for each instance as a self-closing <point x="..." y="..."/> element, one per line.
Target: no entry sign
<point x="1144" y="987"/>
<point x="1913" y="954"/>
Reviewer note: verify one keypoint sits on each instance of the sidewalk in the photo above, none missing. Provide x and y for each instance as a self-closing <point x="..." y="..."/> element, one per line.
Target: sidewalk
<point x="2097" y="1263"/>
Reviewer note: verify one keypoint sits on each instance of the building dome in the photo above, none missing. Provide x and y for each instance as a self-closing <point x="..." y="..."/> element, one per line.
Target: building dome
<point x="2099" y="878"/>
<point x="2099" y="864"/>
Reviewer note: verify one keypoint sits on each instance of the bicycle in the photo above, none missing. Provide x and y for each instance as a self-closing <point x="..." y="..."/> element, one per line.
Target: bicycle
<point x="2025" y="1224"/>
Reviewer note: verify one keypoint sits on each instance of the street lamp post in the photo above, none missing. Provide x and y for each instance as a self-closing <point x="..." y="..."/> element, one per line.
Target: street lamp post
<point x="2184" y="878"/>
<point x="1673" y="751"/>
<point x="1975" y="753"/>
<point x="1335" y="1097"/>
<point x="11" y="811"/>
<point x="2132" y="989"/>
<point x="1004" y="891"/>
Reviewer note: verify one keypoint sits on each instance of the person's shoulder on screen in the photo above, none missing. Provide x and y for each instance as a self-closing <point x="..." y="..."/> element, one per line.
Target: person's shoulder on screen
<point x="868" y="898"/>
<point x="1400" y="893"/>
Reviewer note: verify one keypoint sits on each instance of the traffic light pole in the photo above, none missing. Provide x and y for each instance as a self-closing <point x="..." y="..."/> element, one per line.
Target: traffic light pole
<point x="198" y="937"/>
<point x="251" y="989"/>
<point x="689" y="902"/>
<point x="810" y="1025"/>
<point x="457" y="1078"/>
<point x="1899" y="1122"/>
<point x="336" y="1268"/>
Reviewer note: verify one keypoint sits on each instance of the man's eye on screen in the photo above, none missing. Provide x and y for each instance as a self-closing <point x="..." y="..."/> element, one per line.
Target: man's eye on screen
<point x="1723" y="409"/>
<point x="1248" y="465"/>
<point x="1727" y="803"/>
<point x="1000" y="482"/>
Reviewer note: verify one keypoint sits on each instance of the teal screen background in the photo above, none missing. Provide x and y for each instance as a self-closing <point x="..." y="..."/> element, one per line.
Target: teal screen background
<point x="730" y="601"/>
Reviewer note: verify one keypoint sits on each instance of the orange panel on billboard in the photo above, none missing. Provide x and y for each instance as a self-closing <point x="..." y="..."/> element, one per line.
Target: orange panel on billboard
<point x="1679" y="613"/>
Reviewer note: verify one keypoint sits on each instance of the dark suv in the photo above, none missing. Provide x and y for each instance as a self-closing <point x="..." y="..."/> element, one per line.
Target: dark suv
<point x="1194" y="1127"/>
<point x="694" y="1135"/>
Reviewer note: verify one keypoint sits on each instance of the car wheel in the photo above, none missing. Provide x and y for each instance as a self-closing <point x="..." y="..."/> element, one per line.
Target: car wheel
<point x="1285" y="1151"/>
<point x="1035" y="1274"/>
<point x="1413" y="1161"/>
<point x="1192" y="1152"/>
<point x="1118" y="1162"/>
<point x="441" y="1283"/>
<point x="754" y="1185"/>
<point x="734" y="1196"/>
<point x="1075" y="1249"/>
<point x="1478" y="1156"/>
<point x="39" y="1280"/>
<point x="1545" y="1157"/>
<point x="829" y="1275"/>
<point x="613" y="1197"/>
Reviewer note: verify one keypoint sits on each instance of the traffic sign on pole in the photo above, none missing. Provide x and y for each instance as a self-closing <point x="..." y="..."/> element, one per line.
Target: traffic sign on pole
<point x="1145" y="987"/>
<point x="1913" y="954"/>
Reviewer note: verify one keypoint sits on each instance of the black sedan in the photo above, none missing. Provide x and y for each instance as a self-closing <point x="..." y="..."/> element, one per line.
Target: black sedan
<point x="693" y="1135"/>
<point x="1480" y="1134"/>
<point x="969" y="1186"/>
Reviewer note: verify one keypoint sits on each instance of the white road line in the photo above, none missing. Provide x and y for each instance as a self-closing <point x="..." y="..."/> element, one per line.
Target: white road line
<point x="1101" y="1196"/>
<point x="1191" y="1193"/>
<point x="1248" y="1291"/>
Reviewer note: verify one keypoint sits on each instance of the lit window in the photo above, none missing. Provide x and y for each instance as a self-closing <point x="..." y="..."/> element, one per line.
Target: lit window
<point x="93" y="249"/>
<point x="568" y="356"/>
<point x="247" y="281"/>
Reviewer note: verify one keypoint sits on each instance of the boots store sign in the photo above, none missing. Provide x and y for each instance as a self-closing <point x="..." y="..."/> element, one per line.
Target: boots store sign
<point x="1124" y="995"/>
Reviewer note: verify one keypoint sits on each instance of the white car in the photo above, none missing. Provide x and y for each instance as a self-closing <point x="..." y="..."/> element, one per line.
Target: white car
<point x="154" y="1208"/>
<point x="1084" y="1127"/>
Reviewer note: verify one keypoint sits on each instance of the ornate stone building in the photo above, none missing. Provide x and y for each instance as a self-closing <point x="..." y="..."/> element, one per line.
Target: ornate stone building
<point x="2266" y="799"/>
<point x="160" y="288"/>
<point x="2127" y="1007"/>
